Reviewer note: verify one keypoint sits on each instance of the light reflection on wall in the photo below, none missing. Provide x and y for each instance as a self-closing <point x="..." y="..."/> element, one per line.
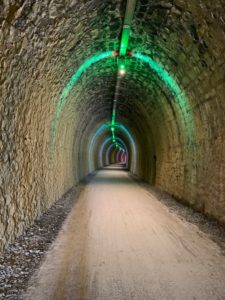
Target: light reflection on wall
<point x="178" y="93"/>
<point x="133" y="148"/>
<point x="100" y="130"/>
<point x="67" y="89"/>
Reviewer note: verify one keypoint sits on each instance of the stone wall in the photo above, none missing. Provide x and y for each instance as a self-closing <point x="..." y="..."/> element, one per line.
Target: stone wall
<point x="180" y="147"/>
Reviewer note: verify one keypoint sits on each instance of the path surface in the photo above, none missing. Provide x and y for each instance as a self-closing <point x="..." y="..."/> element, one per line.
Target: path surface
<point x="120" y="243"/>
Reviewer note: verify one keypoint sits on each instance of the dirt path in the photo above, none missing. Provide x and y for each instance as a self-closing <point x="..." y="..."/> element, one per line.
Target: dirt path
<point x="121" y="243"/>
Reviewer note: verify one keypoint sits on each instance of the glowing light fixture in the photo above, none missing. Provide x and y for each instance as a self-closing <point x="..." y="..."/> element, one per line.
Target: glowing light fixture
<point x="122" y="70"/>
<point x="124" y="40"/>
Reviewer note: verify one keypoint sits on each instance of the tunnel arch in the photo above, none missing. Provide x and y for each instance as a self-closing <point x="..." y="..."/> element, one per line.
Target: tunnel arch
<point x="102" y="148"/>
<point x="167" y="79"/>
<point x="100" y="131"/>
<point x="156" y="67"/>
<point x="44" y="42"/>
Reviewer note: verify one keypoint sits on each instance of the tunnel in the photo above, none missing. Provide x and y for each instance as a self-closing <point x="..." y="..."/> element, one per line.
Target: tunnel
<point x="58" y="79"/>
<point x="89" y="83"/>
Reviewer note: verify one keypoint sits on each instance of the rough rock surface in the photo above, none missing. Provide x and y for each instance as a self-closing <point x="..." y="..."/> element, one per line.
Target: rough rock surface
<point x="180" y="146"/>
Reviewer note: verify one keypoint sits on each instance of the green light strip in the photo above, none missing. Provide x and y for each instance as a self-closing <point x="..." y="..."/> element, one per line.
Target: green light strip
<point x="66" y="91"/>
<point x="113" y="120"/>
<point x="172" y="86"/>
<point x="130" y="7"/>
<point x="124" y="40"/>
<point x="126" y="27"/>
<point x="156" y="67"/>
<point x="161" y="72"/>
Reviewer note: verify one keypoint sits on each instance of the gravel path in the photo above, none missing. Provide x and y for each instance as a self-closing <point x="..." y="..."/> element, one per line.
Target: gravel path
<point x="123" y="241"/>
<point x="202" y="223"/>
<point x="22" y="258"/>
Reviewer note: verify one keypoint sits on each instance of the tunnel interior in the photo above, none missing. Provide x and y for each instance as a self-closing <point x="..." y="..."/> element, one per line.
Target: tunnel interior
<point x="58" y="78"/>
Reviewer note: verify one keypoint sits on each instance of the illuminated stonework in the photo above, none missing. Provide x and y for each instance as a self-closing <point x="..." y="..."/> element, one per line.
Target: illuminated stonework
<point x="66" y="91"/>
<point x="171" y="100"/>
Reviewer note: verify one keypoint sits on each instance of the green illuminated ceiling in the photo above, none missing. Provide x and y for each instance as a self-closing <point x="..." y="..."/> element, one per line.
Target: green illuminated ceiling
<point x="67" y="89"/>
<point x="154" y="70"/>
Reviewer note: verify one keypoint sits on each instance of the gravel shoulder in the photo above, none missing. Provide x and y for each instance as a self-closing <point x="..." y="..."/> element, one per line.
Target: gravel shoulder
<point x="23" y="257"/>
<point x="205" y="224"/>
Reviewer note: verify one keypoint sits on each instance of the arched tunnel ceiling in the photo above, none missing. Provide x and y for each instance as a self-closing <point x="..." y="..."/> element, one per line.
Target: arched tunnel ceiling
<point x="154" y="31"/>
<point x="44" y="42"/>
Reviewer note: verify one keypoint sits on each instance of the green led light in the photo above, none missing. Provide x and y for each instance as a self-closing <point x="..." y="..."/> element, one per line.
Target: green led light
<point x="121" y="66"/>
<point x="172" y="86"/>
<point x="168" y="80"/>
<point x="124" y="40"/>
<point x="161" y="72"/>
<point x="122" y="72"/>
<point x="66" y="91"/>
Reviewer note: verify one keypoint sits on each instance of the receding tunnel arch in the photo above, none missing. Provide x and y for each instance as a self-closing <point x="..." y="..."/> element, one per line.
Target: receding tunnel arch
<point x="115" y="155"/>
<point x="108" y="157"/>
<point x="99" y="133"/>
<point x="90" y="147"/>
<point x="67" y="89"/>
<point x="157" y="68"/>
<point x="102" y="150"/>
<point x="169" y="82"/>
<point x="177" y="127"/>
